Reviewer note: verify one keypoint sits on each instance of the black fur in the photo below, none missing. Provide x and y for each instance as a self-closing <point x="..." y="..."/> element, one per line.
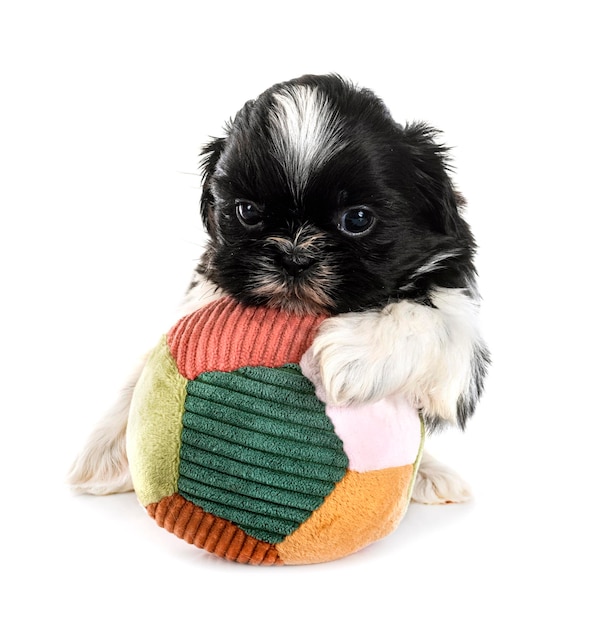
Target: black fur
<point x="400" y="173"/>
<point x="289" y="250"/>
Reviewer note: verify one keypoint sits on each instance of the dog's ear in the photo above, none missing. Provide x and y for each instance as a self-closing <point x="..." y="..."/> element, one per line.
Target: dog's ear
<point x="209" y="157"/>
<point x="430" y="160"/>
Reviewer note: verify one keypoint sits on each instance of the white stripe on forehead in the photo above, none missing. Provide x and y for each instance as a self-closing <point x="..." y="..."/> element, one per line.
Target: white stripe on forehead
<point x="305" y="132"/>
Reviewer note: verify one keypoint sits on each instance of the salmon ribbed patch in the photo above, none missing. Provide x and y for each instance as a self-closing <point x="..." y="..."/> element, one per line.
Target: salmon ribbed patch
<point x="225" y="335"/>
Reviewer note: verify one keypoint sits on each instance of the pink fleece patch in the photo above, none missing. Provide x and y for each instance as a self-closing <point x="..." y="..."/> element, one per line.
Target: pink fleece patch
<point x="377" y="435"/>
<point x="383" y="434"/>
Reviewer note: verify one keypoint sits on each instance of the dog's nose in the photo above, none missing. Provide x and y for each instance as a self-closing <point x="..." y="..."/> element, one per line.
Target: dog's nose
<point x="294" y="265"/>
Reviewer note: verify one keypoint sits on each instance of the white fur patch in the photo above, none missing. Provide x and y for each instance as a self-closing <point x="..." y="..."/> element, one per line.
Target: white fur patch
<point x="305" y="133"/>
<point x="202" y="293"/>
<point x="423" y="352"/>
<point x="101" y="467"/>
<point x="438" y="484"/>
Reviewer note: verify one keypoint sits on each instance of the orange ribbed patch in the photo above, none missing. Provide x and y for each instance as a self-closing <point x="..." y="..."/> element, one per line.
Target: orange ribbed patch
<point x="214" y="534"/>
<point x="225" y="335"/>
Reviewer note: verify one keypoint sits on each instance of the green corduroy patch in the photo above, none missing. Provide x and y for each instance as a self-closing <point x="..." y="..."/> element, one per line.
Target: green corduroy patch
<point x="258" y="449"/>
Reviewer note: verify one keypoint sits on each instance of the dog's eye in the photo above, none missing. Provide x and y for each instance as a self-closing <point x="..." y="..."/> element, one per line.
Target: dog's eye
<point x="356" y="221"/>
<point x="248" y="213"/>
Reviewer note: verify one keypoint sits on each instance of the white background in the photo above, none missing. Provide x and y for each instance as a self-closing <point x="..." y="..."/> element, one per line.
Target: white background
<point x="103" y="109"/>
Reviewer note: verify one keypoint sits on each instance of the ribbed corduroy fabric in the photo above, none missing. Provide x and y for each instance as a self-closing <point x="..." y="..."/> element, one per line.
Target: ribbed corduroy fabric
<point x="224" y="336"/>
<point x="258" y="454"/>
<point x="257" y="471"/>
<point x="258" y="449"/>
<point x="213" y="534"/>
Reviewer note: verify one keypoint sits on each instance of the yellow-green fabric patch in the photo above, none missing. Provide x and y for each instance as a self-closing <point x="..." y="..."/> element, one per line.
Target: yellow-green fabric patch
<point x="154" y="428"/>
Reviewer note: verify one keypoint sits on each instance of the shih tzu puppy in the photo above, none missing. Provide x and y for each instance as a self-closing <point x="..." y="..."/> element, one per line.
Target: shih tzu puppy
<point x="315" y="200"/>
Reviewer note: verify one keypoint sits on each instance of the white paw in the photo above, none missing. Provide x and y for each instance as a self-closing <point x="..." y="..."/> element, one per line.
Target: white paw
<point x="353" y="366"/>
<point x="437" y="484"/>
<point x="425" y="353"/>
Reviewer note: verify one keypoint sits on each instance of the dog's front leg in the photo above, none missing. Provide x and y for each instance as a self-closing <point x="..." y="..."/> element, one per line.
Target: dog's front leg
<point x="432" y="354"/>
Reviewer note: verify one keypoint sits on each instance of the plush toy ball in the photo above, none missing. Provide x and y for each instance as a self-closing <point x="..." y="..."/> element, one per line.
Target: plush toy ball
<point x="232" y="450"/>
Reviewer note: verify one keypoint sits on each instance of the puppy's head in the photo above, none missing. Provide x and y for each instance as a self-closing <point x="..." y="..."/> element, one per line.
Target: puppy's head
<point x="317" y="201"/>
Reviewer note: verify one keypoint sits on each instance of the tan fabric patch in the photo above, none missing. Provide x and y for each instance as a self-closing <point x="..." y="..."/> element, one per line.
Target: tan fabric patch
<point x="363" y="508"/>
